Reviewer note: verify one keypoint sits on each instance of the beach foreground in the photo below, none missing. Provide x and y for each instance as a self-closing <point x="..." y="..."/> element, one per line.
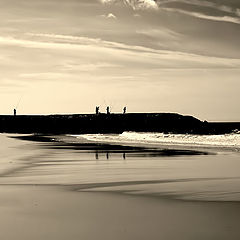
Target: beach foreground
<point x="51" y="190"/>
<point x="42" y="212"/>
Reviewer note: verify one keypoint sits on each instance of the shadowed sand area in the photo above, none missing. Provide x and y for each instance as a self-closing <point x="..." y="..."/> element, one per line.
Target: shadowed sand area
<point x="58" y="187"/>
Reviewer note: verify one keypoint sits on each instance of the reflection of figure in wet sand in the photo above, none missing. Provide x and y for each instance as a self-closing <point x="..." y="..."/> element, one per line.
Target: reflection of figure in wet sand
<point x="124" y="156"/>
<point x="96" y="155"/>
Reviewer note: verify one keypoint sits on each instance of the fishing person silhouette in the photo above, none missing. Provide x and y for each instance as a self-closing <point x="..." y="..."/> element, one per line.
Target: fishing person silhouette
<point x="15" y="109"/>
<point x="108" y="110"/>
<point x="97" y="109"/>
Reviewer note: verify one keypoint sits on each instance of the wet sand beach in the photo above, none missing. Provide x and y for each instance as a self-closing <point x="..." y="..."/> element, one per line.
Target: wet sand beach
<point x="57" y="187"/>
<point x="43" y="212"/>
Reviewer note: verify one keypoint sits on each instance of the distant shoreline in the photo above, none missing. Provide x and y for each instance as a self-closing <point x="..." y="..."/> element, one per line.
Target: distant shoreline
<point x="112" y="123"/>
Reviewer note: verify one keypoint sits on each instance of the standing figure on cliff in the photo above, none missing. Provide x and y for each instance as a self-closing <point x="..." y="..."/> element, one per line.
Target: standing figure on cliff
<point x="108" y="110"/>
<point x="124" y="110"/>
<point x="14" y="112"/>
<point x="97" y="110"/>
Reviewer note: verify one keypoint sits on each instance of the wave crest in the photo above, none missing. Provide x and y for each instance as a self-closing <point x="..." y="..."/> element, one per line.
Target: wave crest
<point x="226" y="140"/>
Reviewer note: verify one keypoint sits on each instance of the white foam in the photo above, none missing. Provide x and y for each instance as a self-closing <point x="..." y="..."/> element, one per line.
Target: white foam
<point x="226" y="140"/>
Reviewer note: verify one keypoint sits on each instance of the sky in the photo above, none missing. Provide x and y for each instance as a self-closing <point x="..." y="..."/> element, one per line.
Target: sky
<point x="59" y="56"/>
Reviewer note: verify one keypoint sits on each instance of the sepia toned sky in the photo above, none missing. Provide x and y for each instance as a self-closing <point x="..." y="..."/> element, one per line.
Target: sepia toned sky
<point x="59" y="56"/>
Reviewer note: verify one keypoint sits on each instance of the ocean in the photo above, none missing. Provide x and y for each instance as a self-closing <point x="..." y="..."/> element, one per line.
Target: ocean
<point x="199" y="167"/>
<point x="225" y="140"/>
<point x="189" y="172"/>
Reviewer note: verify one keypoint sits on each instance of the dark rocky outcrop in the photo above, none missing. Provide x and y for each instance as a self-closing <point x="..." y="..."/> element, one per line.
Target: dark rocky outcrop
<point x="108" y="123"/>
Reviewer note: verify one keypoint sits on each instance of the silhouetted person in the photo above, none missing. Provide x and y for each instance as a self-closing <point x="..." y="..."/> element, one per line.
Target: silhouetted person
<point x="108" y="110"/>
<point x="97" y="110"/>
<point x="124" y="110"/>
<point x="107" y="155"/>
<point x="14" y="112"/>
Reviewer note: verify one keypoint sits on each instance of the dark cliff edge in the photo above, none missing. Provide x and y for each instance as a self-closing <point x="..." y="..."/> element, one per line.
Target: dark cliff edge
<point x="111" y="123"/>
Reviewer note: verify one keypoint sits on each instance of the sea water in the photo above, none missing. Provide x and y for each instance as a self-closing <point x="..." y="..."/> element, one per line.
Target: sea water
<point x="188" y="167"/>
<point x="225" y="140"/>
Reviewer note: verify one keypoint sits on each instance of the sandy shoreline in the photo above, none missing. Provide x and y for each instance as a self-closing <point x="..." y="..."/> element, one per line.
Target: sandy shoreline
<point x="55" y="190"/>
<point x="37" y="212"/>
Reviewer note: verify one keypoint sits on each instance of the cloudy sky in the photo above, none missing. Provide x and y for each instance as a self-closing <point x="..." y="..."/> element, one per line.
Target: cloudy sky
<point x="61" y="56"/>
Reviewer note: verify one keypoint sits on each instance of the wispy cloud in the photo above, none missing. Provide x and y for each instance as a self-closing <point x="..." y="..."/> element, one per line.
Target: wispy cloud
<point x="145" y="56"/>
<point x="238" y="12"/>
<point x="160" y="33"/>
<point x="72" y="66"/>
<point x="135" y="4"/>
<point x="229" y="19"/>
<point x="44" y="75"/>
<point x="202" y="3"/>
<point x="137" y="15"/>
<point x="109" y="15"/>
<point x="156" y="4"/>
<point x="159" y="4"/>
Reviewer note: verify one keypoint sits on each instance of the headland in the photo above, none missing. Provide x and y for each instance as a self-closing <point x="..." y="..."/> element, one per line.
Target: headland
<point x="111" y="123"/>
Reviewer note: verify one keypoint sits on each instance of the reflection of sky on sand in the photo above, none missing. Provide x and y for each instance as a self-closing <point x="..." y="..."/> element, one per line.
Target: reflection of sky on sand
<point x="94" y="167"/>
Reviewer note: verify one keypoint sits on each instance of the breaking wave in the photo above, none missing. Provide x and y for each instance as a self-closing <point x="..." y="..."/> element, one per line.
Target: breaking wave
<point x="225" y="140"/>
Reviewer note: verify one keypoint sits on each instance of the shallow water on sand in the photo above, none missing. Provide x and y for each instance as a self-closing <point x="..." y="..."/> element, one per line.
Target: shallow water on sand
<point x="60" y="187"/>
<point x="205" y="174"/>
